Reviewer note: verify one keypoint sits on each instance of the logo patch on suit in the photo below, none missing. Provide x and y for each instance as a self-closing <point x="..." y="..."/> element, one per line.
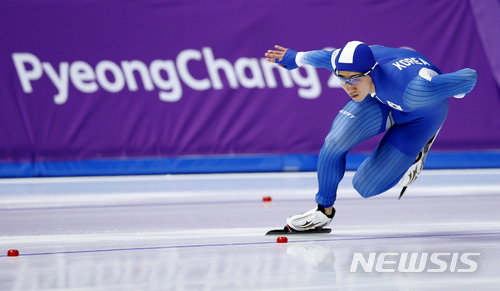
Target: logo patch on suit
<point x="395" y="106"/>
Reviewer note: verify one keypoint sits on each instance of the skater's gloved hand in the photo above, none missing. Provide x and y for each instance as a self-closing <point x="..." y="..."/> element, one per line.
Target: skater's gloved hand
<point x="282" y="56"/>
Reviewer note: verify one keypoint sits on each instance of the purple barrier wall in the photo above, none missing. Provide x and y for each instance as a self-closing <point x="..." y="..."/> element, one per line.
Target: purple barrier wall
<point x="487" y="16"/>
<point x="132" y="79"/>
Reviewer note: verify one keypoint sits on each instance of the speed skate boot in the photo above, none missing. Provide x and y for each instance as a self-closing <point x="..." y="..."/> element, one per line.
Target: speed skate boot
<point x="412" y="174"/>
<point x="314" y="218"/>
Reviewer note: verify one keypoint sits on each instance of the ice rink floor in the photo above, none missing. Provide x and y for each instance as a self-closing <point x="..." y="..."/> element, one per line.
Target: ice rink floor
<point x="206" y="232"/>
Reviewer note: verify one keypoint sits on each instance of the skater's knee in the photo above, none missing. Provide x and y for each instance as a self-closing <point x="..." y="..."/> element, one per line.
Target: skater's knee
<point x="366" y="190"/>
<point x="331" y="140"/>
<point x="336" y="143"/>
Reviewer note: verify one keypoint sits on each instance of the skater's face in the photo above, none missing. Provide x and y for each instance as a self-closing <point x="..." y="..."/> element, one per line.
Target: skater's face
<point x="363" y="85"/>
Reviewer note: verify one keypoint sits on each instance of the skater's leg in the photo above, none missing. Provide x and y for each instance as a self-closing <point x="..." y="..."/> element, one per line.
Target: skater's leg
<point x="381" y="170"/>
<point x="397" y="151"/>
<point x="355" y="123"/>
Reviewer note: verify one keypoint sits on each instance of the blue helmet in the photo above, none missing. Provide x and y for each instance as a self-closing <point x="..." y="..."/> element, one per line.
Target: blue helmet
<point x="355" y="56"/>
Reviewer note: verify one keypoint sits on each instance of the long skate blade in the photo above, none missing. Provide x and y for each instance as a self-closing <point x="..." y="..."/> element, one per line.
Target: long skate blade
<point x="402" y="192"/>
<point x="288" y="231"/>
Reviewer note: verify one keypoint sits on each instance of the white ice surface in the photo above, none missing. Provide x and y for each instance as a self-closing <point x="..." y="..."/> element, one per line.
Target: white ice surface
<point x="206" y="232"/>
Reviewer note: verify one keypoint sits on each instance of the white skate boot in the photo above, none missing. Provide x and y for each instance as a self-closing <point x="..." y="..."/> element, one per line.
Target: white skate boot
<point x="312" y="219"/>
<point x="412" y="174"/>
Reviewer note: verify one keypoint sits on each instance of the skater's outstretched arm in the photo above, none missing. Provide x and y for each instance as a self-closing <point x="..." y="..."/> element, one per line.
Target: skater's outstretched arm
<point x="290" y="59"/>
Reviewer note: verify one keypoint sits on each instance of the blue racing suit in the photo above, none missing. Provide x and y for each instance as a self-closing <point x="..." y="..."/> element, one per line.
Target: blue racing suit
<point x="410" y="103"/>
